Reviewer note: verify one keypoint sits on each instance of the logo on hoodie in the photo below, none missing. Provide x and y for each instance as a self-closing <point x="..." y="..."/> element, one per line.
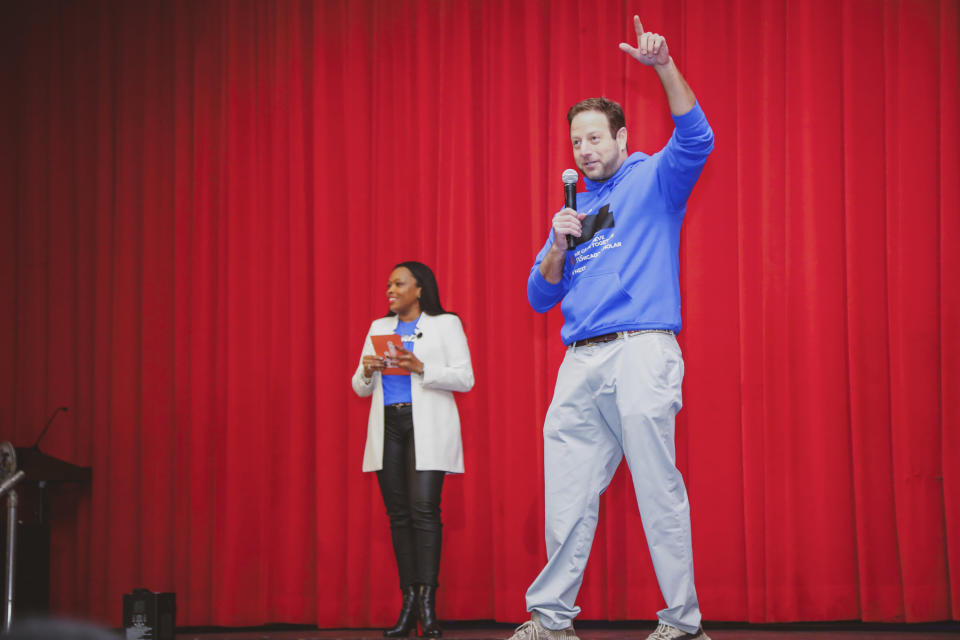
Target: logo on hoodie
<point x="602" y="219"/>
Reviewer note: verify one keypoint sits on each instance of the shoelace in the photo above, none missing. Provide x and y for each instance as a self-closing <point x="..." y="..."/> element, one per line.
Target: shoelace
<point x="662" y="632"/>
<point x="527" y="630"/>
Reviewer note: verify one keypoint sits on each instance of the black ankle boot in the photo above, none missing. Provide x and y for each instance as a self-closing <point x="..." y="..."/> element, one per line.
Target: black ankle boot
<point x="427" y="609"/>
<point x="407" y="621"/>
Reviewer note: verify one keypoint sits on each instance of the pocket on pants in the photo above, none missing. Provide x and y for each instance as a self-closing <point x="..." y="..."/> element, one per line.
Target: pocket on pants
<point x="672" y="374"/>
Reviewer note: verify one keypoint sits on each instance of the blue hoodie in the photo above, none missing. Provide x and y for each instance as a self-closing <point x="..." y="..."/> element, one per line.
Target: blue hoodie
<point x="623" y="272"/>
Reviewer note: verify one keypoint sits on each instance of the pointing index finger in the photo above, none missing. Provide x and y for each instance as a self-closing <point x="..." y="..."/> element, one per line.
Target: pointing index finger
<point x="637" y="25"/>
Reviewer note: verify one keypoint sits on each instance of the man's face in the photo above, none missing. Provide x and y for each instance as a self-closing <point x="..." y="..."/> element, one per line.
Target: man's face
<point x="597" y="153"/>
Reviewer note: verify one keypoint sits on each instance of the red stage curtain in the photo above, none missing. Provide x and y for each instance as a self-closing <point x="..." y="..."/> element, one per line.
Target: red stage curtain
<point x="202" y="200"/>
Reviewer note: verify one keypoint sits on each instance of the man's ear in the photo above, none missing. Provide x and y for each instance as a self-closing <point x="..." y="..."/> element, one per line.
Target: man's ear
<point x="622" y="139"/>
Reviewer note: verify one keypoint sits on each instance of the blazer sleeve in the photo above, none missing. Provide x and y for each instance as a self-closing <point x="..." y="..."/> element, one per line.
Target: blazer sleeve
<point x="456" y="372"/>
<point x="361" y="386"/>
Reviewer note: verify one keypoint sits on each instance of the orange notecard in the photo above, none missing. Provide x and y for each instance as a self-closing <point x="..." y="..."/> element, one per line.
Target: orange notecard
<point x="381" y="345"/>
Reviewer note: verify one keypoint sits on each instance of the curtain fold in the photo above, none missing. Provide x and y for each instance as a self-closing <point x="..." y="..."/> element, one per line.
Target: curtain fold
<point x="201" y="202"/>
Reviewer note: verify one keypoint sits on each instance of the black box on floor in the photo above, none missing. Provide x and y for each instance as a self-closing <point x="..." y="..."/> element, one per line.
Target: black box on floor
<point x="148" y="615"/>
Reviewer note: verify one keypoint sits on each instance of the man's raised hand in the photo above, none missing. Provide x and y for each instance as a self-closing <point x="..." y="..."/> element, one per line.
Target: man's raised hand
<point x="651" y="48"/>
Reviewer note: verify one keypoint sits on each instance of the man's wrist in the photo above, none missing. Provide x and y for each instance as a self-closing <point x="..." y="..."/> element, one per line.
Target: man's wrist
<point x="550" y="276"/>
<point x="664" y="67"/>
<point x="554" y="254"/>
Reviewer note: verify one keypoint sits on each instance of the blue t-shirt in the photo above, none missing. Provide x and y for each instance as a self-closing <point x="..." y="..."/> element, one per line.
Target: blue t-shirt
<point x="396" y="388"/>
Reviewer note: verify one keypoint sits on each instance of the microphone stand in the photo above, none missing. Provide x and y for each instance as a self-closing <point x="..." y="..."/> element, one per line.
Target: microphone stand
<point x="7" y="487"/>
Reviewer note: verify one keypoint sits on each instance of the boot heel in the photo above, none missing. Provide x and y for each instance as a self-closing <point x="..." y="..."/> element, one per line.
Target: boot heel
<point x="427" y="611"/>
<point x="407" y="621"/>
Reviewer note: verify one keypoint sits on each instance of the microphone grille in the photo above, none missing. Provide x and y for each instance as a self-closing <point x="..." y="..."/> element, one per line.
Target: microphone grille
<point x="570" y="177"/>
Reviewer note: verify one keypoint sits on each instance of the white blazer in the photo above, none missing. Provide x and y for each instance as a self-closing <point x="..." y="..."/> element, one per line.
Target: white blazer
<point x="442" y="347"/>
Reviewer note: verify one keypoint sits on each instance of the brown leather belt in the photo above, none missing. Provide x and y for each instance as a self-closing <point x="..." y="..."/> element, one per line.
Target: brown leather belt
<point x="397" y="406"/>
<point x="610" y="337"/>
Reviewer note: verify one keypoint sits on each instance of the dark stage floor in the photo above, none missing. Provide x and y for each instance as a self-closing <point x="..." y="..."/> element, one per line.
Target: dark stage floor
<point x="612" y="631"/>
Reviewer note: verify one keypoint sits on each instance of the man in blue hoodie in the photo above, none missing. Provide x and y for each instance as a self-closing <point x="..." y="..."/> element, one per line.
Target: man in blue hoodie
<point x="614" y="268"/>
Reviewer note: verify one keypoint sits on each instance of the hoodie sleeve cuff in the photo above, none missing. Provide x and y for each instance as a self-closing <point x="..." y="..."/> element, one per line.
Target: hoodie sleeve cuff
<point x="542" y="294"/>
<point x="545" y="287"/>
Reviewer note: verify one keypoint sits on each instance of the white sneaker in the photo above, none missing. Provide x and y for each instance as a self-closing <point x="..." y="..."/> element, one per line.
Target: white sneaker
<point x="667" y="632"/>
<point x="533" y="630"/>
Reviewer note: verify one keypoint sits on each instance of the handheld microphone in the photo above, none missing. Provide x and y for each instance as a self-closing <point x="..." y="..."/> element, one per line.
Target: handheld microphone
<point x="570" y="179"/>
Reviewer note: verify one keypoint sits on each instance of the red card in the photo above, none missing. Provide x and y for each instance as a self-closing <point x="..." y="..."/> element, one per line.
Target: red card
<point x="382" y="349"/>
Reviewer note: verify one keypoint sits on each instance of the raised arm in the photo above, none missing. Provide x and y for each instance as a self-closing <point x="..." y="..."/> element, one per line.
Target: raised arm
<point x="652" y="51"/>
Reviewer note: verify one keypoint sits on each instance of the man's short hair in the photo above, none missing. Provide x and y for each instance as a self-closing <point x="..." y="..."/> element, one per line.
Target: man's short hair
<point x="609" y="108"/>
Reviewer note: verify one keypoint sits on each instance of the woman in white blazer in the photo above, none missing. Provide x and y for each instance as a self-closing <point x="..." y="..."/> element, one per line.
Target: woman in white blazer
<point x="413" y="432"/>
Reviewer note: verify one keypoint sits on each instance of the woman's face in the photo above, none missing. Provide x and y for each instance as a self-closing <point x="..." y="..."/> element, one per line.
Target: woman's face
<point x="403" y="294"/>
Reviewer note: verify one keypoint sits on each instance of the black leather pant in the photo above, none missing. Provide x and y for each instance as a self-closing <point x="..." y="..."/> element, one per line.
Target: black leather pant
<point x="412" y="499"/>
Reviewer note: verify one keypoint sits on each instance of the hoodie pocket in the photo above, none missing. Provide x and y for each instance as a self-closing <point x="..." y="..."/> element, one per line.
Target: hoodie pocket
<point x="597" y="301"/>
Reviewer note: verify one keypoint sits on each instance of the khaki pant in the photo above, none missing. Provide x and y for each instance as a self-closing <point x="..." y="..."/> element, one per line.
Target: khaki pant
<point x="614" y="400"/>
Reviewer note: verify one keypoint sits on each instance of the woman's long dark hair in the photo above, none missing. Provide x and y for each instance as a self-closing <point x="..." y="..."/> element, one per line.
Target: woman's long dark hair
<point x="429" y="292"/>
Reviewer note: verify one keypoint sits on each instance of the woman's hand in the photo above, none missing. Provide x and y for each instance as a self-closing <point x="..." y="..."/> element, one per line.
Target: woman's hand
<point x="406" y="360"/>
<point x="372" y="364"/>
